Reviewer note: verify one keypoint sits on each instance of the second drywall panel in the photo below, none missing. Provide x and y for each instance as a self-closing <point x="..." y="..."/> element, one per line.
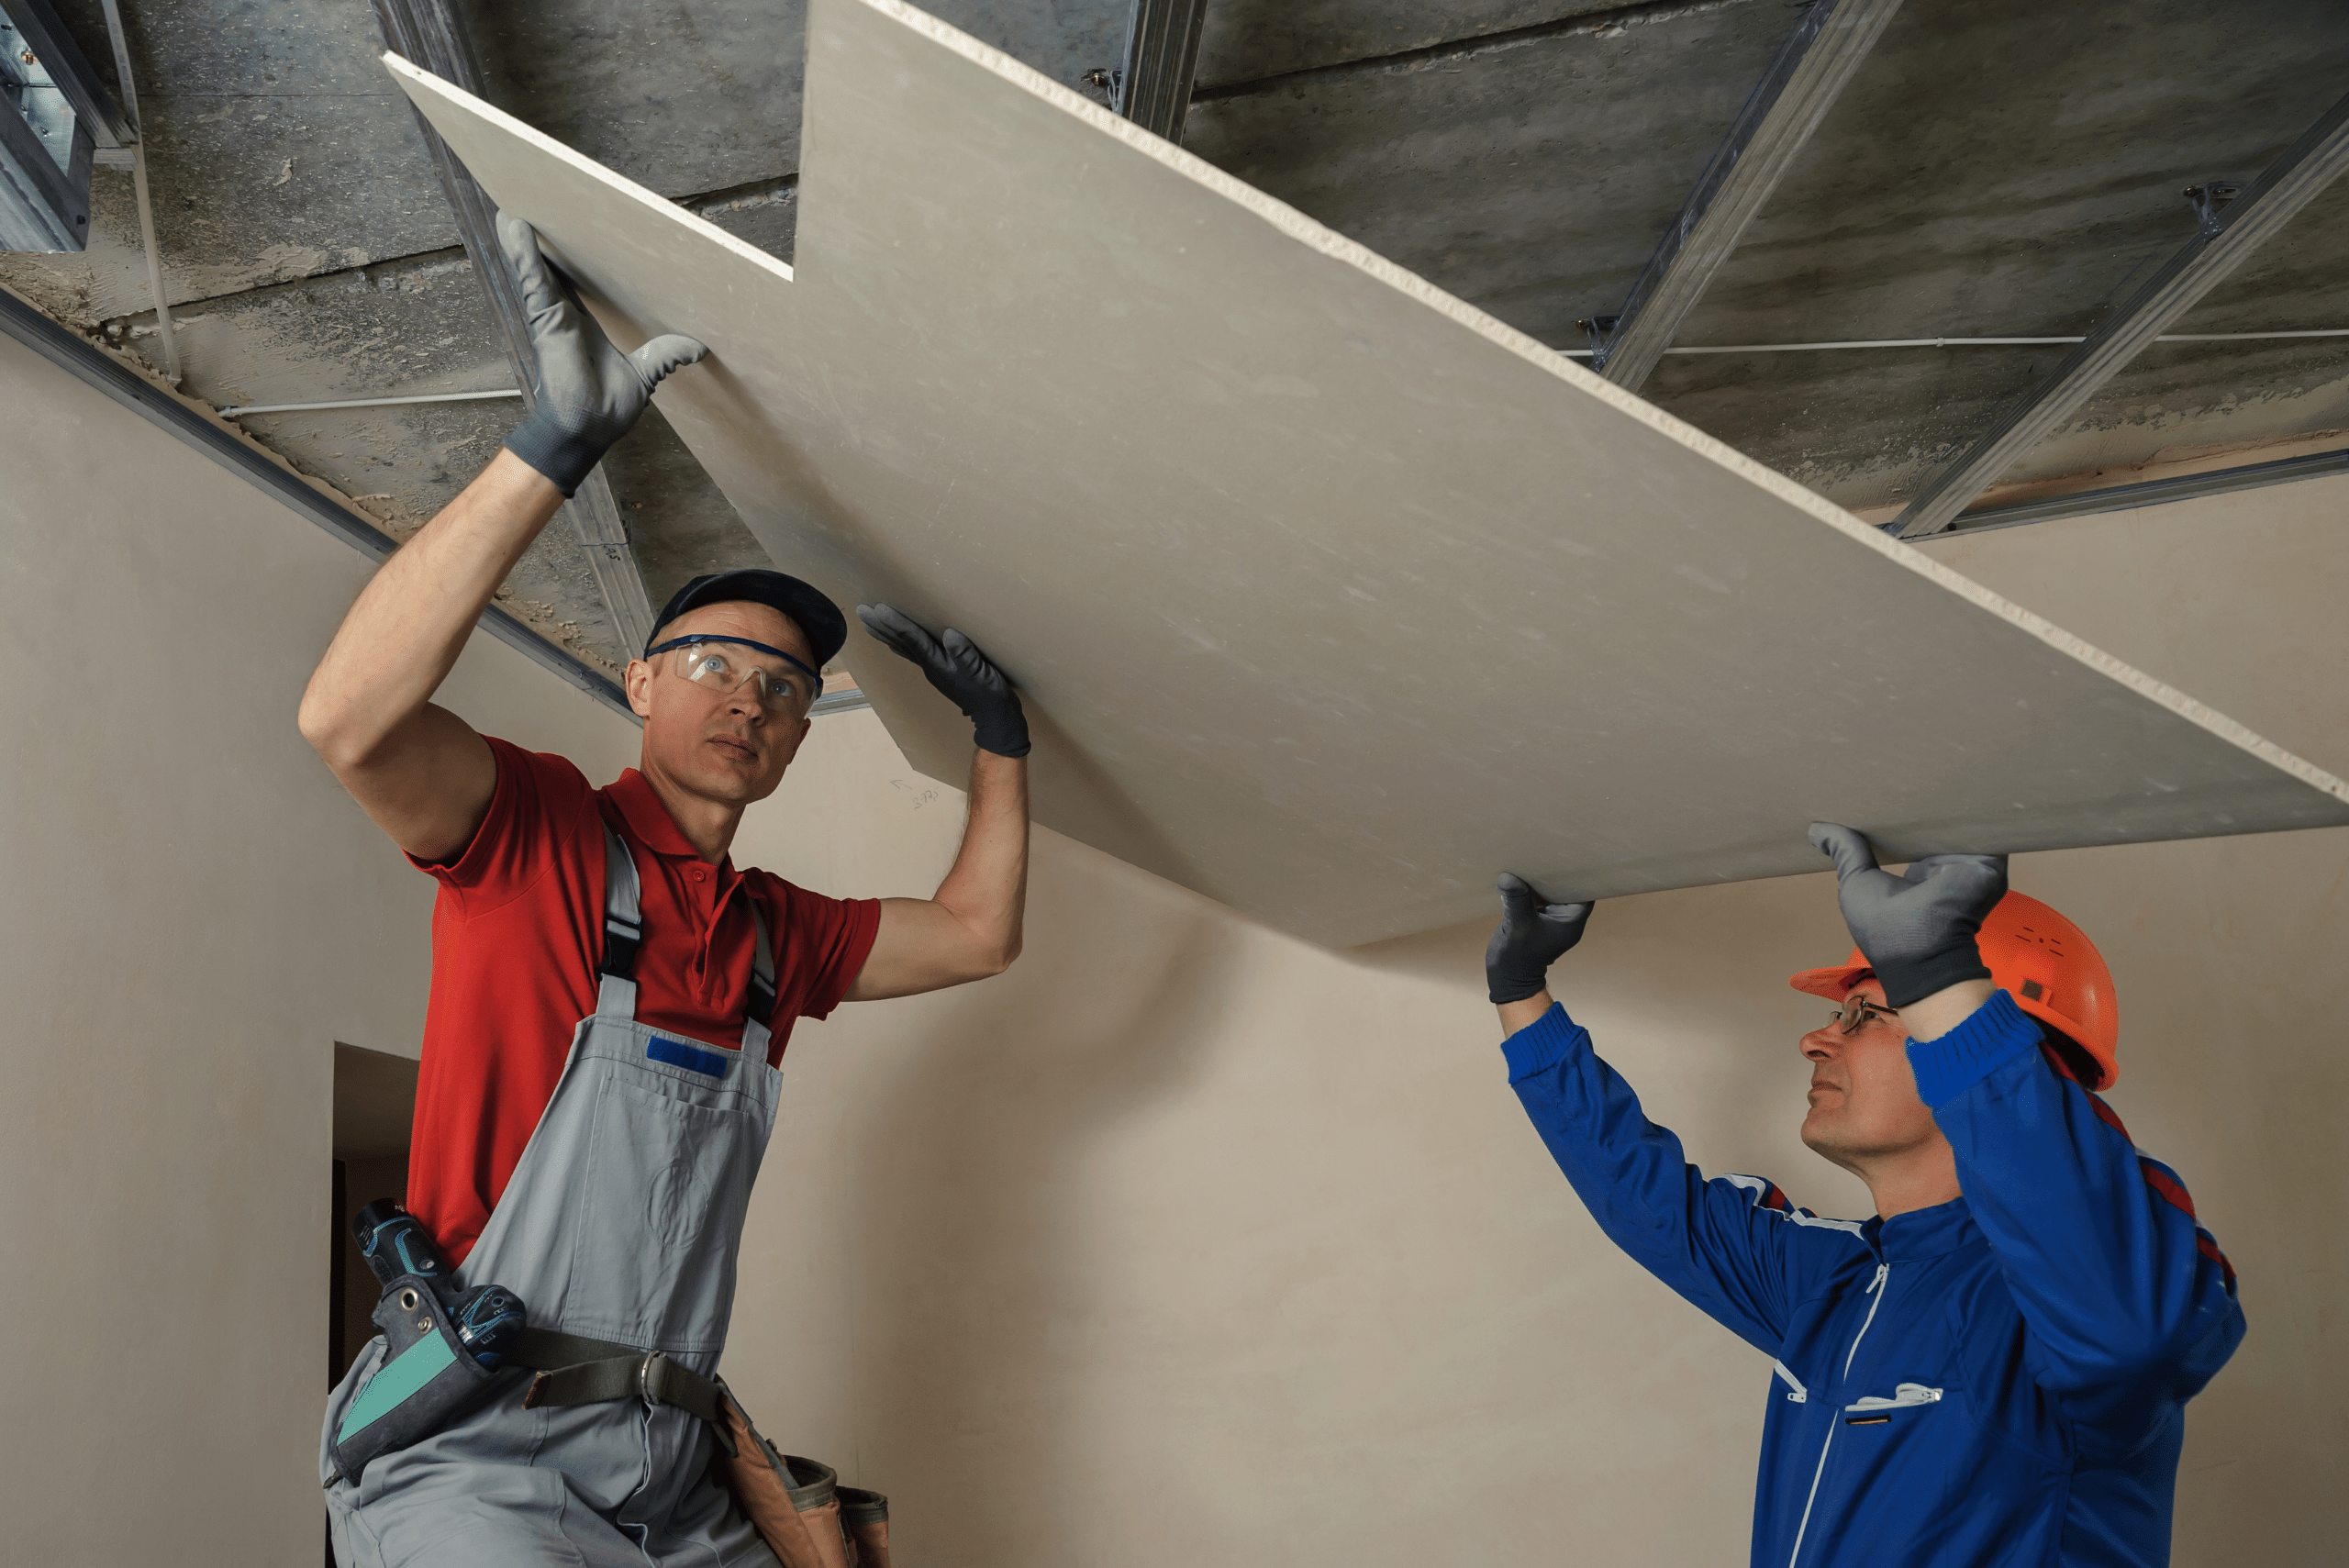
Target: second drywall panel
<point x="1331" y="595"/>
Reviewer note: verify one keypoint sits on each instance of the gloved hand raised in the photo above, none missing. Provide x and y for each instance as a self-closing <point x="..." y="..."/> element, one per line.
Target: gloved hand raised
<point x="1916" y="929"/>
<point x="966" y="677"/>
<point x="1533" y="935"/>
<point x="589" y="392"/>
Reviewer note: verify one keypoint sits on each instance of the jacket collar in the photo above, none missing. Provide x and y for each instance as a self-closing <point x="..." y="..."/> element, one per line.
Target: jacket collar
<point x="1923" y="1233"/>
<point x="647" y="818"/>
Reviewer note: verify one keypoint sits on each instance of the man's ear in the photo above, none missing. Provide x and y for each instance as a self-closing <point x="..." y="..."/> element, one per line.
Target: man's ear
<point x="636" y="681"/>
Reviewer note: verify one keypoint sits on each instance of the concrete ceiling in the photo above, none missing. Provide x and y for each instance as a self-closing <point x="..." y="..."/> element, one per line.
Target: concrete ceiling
<point x="1999" y="168"/>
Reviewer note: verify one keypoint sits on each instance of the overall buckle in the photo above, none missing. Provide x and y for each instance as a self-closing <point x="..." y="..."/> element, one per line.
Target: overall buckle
<point x="653" y="1378"/>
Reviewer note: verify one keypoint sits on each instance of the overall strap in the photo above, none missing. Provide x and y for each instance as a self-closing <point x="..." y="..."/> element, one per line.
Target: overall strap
<point x="756" y="1032"/>
<point x="623" y="932"/>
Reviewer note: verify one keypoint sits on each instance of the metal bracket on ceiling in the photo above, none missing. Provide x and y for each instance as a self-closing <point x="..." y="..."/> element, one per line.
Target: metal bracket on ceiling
<point x="2211" y="199"/>
<point x="55" y="113"/>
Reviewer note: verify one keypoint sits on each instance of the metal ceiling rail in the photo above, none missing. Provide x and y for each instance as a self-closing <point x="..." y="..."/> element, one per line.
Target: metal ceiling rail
<point x="2150" y="493"/>
<point x="123" y="80"/>
<point x="238" y="453"/>
<point x="1975" y="342"/>
<point x="1154" y="87"/>
<point x="426" y="33"/>
<point x="1811" y="69"/>
<point x="245" y="408"/>
<point x="2223" y="237"/>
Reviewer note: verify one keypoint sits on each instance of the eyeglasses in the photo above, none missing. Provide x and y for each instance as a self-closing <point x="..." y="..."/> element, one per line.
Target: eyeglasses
<point x="788" y="688"/>
<point x="1857" y="1011"/>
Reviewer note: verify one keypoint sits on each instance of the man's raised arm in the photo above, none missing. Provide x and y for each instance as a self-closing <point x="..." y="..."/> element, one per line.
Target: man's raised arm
<point x="970" y="927"/>
<point x="420" y="770"/>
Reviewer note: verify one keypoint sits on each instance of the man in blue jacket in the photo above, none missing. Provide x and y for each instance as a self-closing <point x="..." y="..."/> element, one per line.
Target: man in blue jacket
<point x="1995" y="1368"/>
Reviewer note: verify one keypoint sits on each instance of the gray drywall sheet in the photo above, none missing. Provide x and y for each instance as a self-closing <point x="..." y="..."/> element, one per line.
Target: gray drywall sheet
<point x="1330" y="597"/>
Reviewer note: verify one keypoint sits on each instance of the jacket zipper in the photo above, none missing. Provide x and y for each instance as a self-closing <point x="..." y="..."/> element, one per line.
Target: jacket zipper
<point x="1875" y="1288"/>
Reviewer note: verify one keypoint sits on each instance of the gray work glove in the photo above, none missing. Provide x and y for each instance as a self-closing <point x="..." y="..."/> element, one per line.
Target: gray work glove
<point x="966" y="676"/>
<point x="1535" y="934"/>
<point x="589" y="392"/>
<point x="1916" y="929"/>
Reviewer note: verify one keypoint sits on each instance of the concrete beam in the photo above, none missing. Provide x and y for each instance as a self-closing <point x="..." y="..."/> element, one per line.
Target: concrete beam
<point x="1818" y="61"/>
<point x="1162" y="59"/>
<point x="426" y="32"/>
<point x="2223" y="237"/>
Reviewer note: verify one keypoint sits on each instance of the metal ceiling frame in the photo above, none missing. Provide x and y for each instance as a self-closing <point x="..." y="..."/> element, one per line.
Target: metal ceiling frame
<point x="60" y="113"/>
<point x="93" y="107"/>
<point x="1154" y="87"/>
<point x="426" y="33"/>
<point x="1811" y="71"/>
<point x="70" y="352"/>
<point x="2150" y="493"/>
<point x="2223" y="237"/>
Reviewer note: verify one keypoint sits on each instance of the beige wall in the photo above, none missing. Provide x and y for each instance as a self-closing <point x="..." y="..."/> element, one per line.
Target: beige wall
<point x="195" y="912"/>
<point x="1181" y="1243"/>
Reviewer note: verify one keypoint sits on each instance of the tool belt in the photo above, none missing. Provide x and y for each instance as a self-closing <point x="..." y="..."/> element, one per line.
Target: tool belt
<point x="805" y="1517"/>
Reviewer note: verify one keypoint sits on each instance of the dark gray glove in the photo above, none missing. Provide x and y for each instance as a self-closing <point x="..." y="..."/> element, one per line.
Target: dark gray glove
<point x="589" y="392"/>
<point x="1916" y="929"/>
<point x="1533" y="935"/>
<point x="967" y="677"/>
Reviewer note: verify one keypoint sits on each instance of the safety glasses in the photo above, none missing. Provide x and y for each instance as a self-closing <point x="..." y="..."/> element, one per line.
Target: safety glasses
<point x="784" y="685"/>
<point x="1857" y="1011"/>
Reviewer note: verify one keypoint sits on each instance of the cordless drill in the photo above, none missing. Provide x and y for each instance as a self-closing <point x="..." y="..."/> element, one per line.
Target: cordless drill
<point x="487" y="1319"/>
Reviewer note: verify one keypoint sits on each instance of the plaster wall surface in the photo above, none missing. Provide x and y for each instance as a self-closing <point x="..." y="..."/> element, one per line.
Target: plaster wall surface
<point x="1181" y="1243"/>
<point x="195" y="915"/>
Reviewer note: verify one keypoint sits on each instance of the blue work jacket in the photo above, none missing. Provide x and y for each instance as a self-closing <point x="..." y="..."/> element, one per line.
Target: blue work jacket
<point x="2001" y="1379"/>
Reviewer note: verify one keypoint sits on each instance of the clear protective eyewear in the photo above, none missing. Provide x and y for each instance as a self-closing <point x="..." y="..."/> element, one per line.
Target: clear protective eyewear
<point x="1858" y="1011"/>
<point x="783" y="684"/>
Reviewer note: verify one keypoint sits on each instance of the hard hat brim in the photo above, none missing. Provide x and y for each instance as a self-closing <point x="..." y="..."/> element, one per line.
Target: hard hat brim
<point x="1833" y="984"/>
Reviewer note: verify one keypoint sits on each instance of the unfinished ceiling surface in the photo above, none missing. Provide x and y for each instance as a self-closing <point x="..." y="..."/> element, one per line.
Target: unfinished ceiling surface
<point x="1330" y="594"/>
<point x="1997" y="168"/>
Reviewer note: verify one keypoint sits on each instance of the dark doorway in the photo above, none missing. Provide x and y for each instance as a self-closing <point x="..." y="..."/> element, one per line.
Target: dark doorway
<point x="375" y="1105"/>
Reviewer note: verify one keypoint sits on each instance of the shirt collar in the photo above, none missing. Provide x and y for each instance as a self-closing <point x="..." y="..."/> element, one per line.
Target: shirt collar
<point x="649" y="820"/>
<point x="1924" y="1233"/>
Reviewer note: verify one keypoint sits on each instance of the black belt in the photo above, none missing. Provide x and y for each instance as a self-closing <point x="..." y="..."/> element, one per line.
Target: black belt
<point x="576" y="1370"/>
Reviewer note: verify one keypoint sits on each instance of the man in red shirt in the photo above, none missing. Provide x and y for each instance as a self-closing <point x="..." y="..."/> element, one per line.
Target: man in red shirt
<point x="610" y="998"/>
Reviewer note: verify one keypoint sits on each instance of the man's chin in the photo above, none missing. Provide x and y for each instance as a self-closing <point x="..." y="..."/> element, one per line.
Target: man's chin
<point x="726" y="783"/>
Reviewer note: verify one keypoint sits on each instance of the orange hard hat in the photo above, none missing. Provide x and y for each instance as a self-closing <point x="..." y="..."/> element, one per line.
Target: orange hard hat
<point x="2044" y="960"/>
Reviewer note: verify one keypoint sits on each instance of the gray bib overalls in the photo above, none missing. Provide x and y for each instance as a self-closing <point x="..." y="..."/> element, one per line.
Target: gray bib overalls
<point x="621" y="1223"/>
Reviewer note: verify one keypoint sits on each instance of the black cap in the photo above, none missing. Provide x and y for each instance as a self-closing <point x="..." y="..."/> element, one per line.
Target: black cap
<point x="818" y="620"/>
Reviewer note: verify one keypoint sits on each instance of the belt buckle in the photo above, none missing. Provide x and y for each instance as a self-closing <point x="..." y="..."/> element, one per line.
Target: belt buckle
<point x="653" y="1378"/>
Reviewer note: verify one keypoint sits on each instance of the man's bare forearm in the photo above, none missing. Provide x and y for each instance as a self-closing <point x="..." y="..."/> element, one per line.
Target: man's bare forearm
<point x="986" y="891"/>
<point x="971" y="928"/>
<point x="420" y="770"/>
<point x="404" y="633"/>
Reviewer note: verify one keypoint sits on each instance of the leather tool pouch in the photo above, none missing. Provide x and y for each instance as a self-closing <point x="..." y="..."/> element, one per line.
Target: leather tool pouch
<point x="805" y="1517"/>
<point x="426" y="1379"/>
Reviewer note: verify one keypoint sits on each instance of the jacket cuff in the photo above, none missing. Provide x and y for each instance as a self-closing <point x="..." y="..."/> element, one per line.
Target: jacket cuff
<point x="1994" y="1034"/>
<point x="1541" y="1044"/>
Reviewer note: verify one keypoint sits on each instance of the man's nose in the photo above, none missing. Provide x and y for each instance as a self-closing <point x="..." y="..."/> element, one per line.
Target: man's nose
<point x="1821" y="1044"/>
<point x="744" y="699"/>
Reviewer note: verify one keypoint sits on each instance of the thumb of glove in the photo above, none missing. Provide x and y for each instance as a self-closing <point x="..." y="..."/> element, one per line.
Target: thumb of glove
<point x="670" y="351"/>
<point x="1847" y="847"/>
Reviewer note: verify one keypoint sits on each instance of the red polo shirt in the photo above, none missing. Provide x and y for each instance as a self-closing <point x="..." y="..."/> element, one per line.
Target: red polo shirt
<point x="516" y="933"/>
